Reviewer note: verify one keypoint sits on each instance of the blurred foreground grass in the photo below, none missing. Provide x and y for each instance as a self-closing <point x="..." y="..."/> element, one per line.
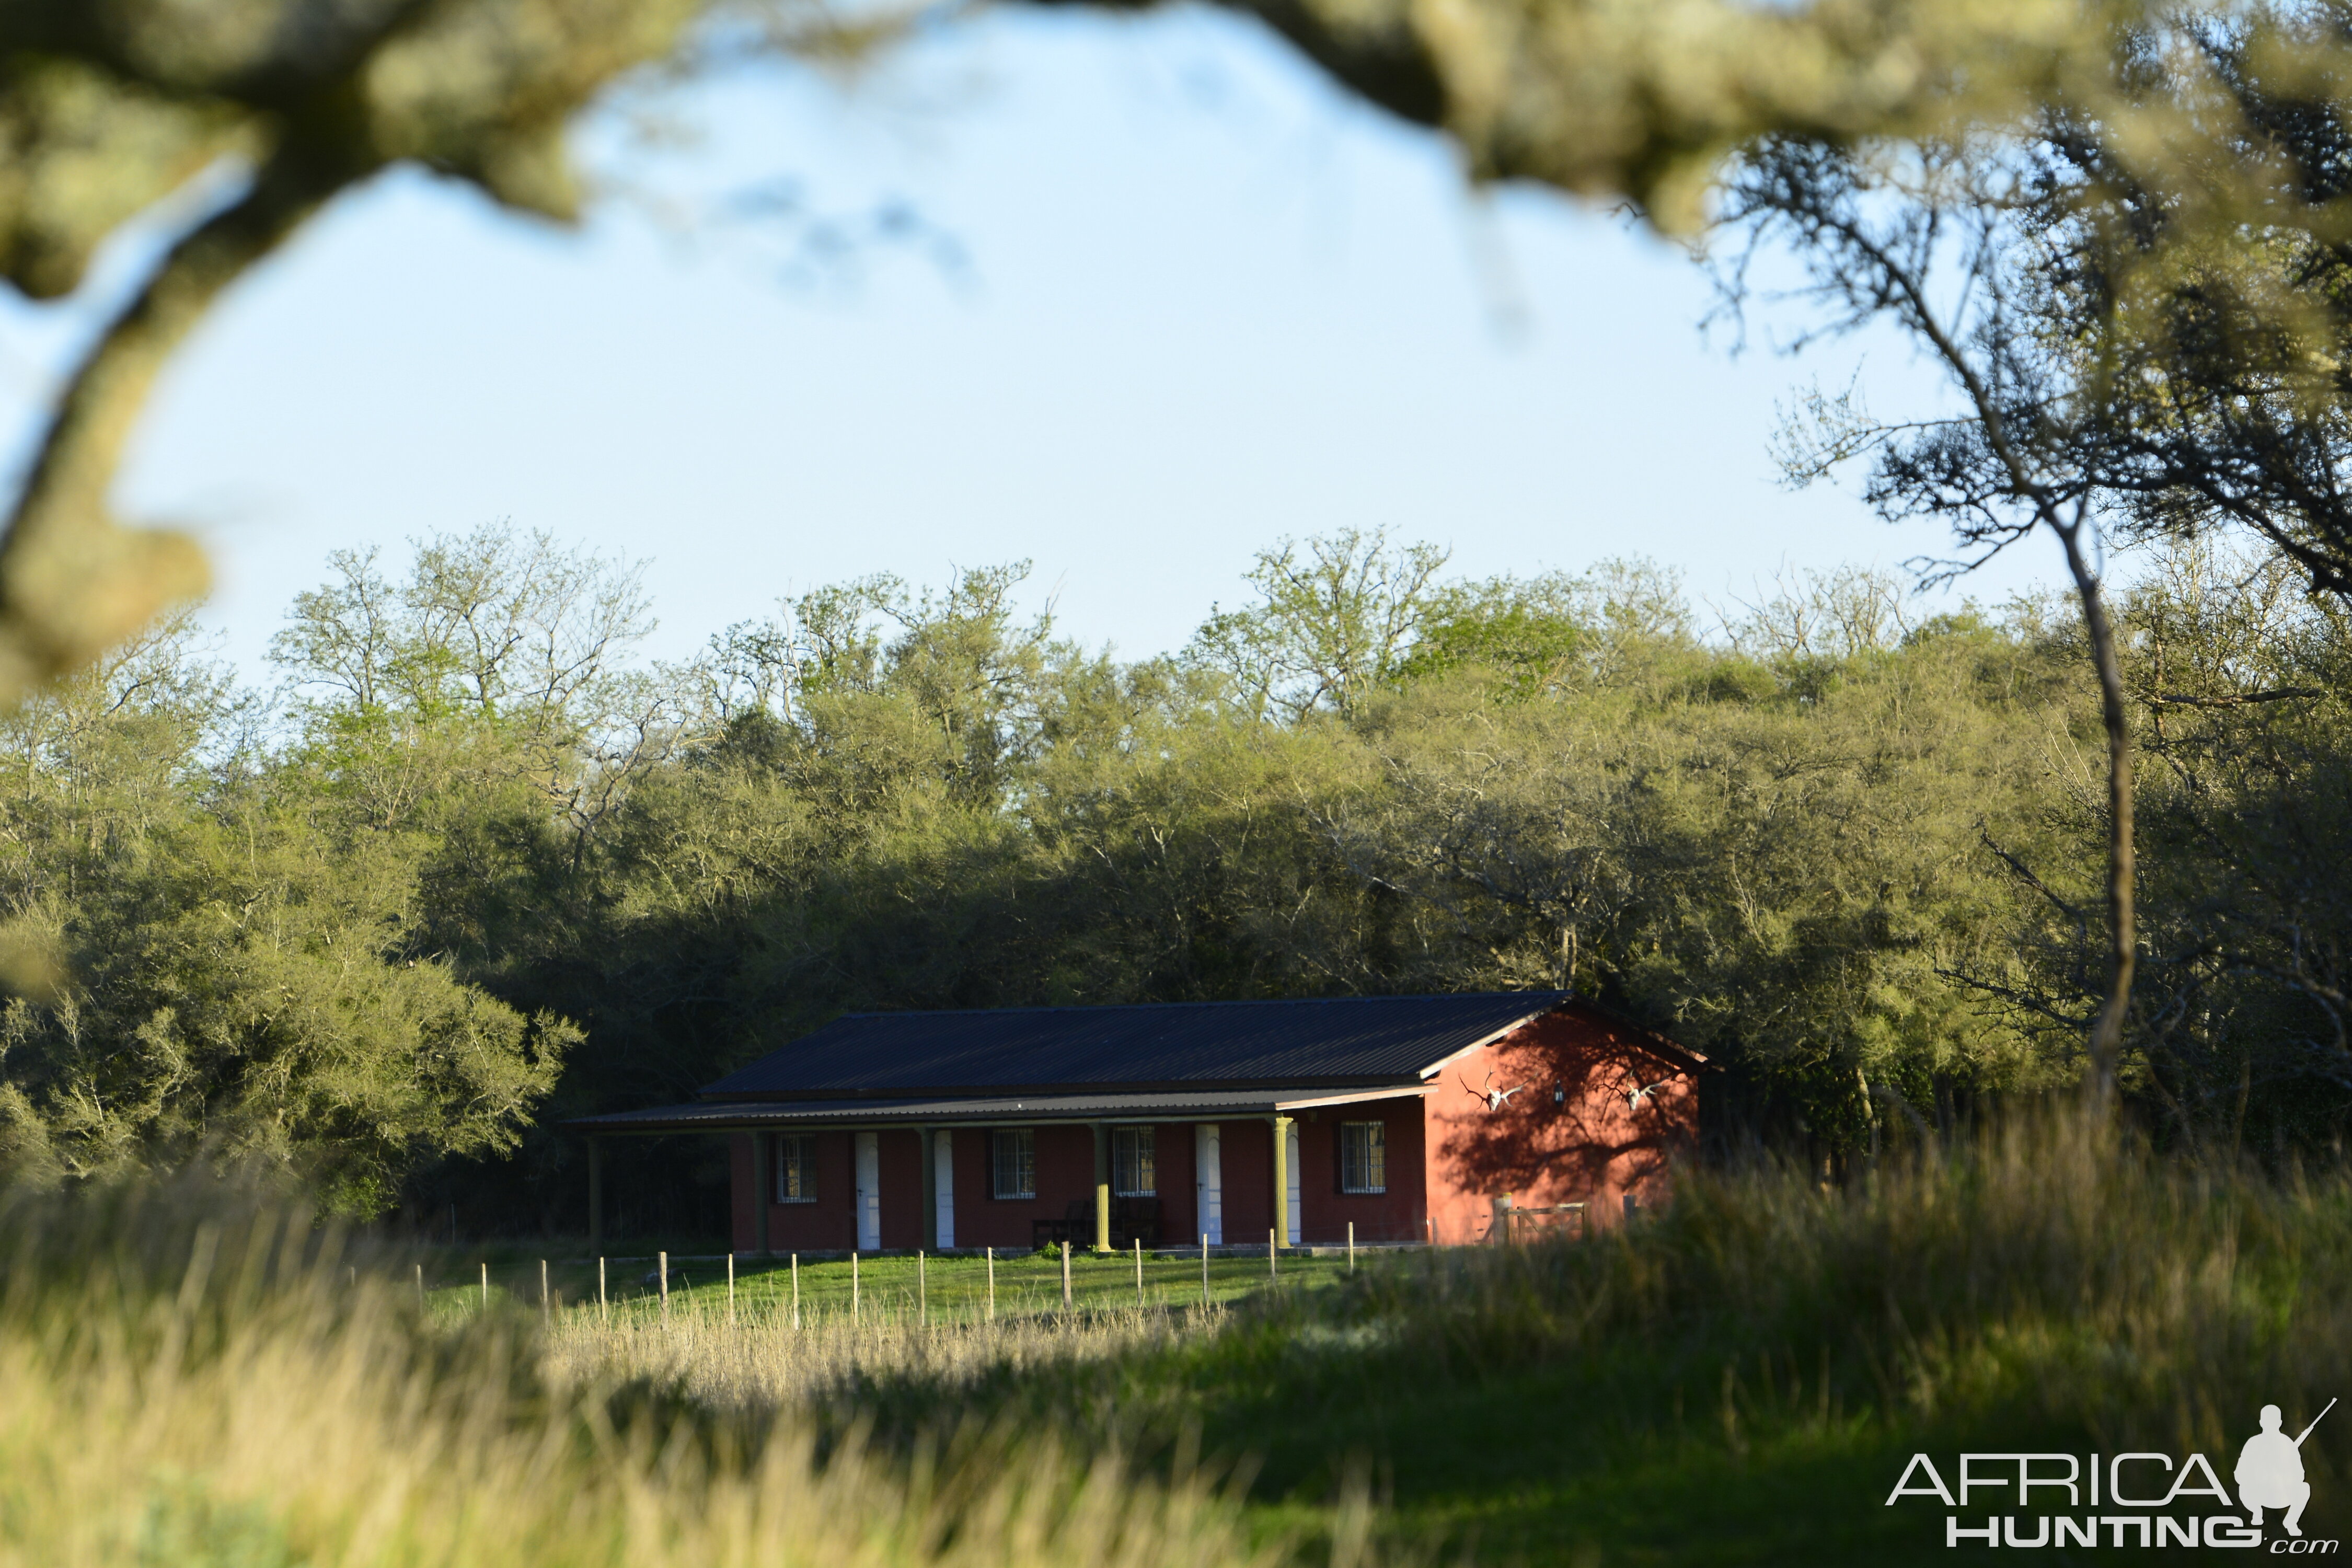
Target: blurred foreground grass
<point x="194" y="1380"/>
<point x="1737" y="1379"/>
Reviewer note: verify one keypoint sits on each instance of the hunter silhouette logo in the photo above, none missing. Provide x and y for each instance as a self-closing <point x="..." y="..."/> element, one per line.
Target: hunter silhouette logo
<point x="2270" y="1472"/>
<point x="2135" y="1499"/>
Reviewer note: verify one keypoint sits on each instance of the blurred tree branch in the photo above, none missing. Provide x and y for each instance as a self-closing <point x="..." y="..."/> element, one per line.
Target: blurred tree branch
<point x="105" y="108"/>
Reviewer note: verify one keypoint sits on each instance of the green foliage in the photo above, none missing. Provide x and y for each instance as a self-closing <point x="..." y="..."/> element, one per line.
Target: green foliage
<point x="1333" y="623"/>
<point x="476" y="872"/>
<point x="227" y="943"/>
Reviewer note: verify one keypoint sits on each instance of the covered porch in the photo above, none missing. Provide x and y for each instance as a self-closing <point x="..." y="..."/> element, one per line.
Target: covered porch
<point x="1296" y="1167"/>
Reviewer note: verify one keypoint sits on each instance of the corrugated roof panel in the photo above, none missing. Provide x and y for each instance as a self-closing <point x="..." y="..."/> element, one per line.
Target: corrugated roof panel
<point x="1339" y="1040"/>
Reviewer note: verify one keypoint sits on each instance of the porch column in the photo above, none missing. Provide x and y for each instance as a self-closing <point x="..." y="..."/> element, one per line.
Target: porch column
<point x="764" y="1189"/>
<point x="930" y="1231"/>
<point x="1282" y="1180"/>
<point x="595" y="1197"/>
<point x="1102" y="1187"/>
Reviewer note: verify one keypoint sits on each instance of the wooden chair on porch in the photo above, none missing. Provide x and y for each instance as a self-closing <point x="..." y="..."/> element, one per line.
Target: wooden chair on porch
<point x="1076" y="1225"/>
<point x="1133" y="1220"/>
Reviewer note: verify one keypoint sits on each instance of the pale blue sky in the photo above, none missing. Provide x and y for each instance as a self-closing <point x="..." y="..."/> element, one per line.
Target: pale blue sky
<point x="1202" y="301"/>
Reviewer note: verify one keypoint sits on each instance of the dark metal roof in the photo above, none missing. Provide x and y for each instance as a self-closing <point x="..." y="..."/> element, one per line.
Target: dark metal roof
<point x="1363" y="1040"/>
<point x="711" y="1116"/>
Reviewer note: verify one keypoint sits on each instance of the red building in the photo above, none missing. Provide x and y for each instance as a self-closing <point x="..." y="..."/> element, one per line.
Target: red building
<point x="1415" y="1119"/>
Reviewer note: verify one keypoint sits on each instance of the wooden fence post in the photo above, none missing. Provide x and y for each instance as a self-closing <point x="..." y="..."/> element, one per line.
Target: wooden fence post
<point x="603" y="1302"/>
<point x="853" y="1305"/>
<point x="991" y="1284"/>
<point x="922" y="1292"/>
<point x="1204" y="1268"/>
<point x="731" y="1289"/>
<point x="545" y="1311"/>
<point x="1273" y="1256"/>
<point x="485" y="1287"/>
<point x="662" y="1265"/>
<point x="1352" y="1246"/>
<point x="796" y="1289"/>
<point x="1066" y="1277"/>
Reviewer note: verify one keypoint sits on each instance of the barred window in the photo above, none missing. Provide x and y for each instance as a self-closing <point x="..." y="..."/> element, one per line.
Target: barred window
<point x="1134" y="1171"/>
<point x="796" y="1168"/>
<point x="1363" y="1157"/>
<point x="1015" y="1156"/>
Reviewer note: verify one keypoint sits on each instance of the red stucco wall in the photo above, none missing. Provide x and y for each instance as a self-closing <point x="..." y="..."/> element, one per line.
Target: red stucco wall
<point x="974" y="1225"/>
<point x="1588" y="1147"/>
<point x="901" y="1159"/>
<point x="1246" y="1157"/>
<point x="828" y="1225"/>
<point x="1180" y="1200"/>
<point x="1066" y="1169"/>
<point x="1324" y="1210"/>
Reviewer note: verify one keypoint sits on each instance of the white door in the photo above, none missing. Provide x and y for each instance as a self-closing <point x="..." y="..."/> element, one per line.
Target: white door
<point x="1290" y="1166"/>
<point x="869" y="1192"/>
<point x="943" y="1184"/>
<point x="1208" y="1166"/>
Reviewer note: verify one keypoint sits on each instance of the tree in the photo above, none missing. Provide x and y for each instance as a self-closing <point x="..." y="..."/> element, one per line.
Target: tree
<point x="1333" y="623"/>
<point x="500" y="655"/>
<point x="2237" y="668"/>
<point x="1940" y="241"/>
<point x="204" y="965"/>
<point x="2141" y="303"/>
<point x="2216" y="368"/>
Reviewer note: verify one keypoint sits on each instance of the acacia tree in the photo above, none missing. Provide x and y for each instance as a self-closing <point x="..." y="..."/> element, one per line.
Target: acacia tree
<point x="2141" y="316"/>
<point x="1938" y="240"/>
<point x="1336" y="619"/>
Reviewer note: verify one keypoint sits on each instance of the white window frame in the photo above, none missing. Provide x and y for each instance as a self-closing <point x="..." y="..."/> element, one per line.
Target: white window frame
<point x="1367" y="1143"/>
<point x="1021" y="1142"/>
<point x="1134" y="1162"/>
<point x="794" y="1155"/>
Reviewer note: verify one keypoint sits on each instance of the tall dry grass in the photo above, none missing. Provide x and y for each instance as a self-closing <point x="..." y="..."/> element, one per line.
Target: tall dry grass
<point x="758" y="1361"/>
<point x="2043" y="1274"/>
<point x="210" y="1384"/>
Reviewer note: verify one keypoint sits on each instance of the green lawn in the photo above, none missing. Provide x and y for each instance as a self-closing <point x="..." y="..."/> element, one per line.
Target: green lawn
<point x="953" y="1289"/>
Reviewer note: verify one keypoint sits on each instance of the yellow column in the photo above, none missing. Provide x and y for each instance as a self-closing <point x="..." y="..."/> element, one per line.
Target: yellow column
<point x="1102" y="1187"/>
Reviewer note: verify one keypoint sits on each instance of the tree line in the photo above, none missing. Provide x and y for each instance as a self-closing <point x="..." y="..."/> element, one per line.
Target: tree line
<point x="472" y="866"/>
